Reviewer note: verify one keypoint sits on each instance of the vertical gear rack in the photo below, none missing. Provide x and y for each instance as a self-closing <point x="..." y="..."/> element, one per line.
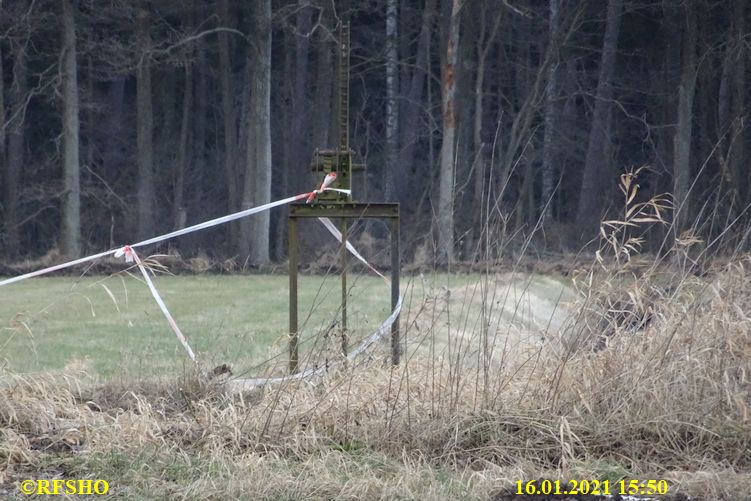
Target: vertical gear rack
<point x="344" y="86"/>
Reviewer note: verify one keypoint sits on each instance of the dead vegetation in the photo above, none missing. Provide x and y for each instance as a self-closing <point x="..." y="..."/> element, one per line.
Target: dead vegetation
<point x="650" y="379"/>
<point x="670" y="399"/>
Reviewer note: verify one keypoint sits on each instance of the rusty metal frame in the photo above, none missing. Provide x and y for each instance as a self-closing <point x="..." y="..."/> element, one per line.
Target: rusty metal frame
<point x="345" y="211"/>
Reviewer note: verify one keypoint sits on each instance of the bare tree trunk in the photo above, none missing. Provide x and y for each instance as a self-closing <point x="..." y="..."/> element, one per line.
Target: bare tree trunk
<point x="257" y="187"/>
<point x="736" y="155"/>
<point x="551" y="93"/>
<point x="596" y="177"/>
<point x="519" y="132"/>
<point x="262" y="91"/>
<point x="464" y="155"/>
<point x="200" y="167"/>
<point x="413" y="108"/>
<point x="682" y="139"/>
<point x="16" y="139"/>
<point x="231" y="163"/>
<point x="672" y="68"/>
<point x="145" y="130"/>
<point x="287" y="157"/>
<point x="524" y="92"/>
<point x="726" y="115"/>
<point x="448" y="146"/>
<point x="724" y="102"/>
<point x="178" y="204"/>
<point x="248" y="137"/>
<point x="167" y="130"/>
<point x="3" y="165"/>
<point x="71" y="228"/>
<point x="392" y="105"/>
<point x="481" y="157"/>
<point x="114" y="124"/>
<point x="569" y="132"/>
<point x="300" y="81"/>
<point x="485" y="43"/>
<point x="89" y="120"/>
<point x="296" y="138"/>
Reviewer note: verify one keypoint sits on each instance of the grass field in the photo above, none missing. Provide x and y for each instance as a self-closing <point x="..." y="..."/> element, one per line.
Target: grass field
<point x="112" y="324"/>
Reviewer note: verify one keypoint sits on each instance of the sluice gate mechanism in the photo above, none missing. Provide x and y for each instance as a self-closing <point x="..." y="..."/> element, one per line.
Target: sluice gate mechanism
<point x="340" y="205"/>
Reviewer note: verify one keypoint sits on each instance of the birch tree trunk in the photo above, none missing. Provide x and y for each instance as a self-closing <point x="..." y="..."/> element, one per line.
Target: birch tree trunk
<point x="145" y="130"/>
<point x="71" y="228"/>
<point x="592" y="196"/>
<point x="448" y="145"/>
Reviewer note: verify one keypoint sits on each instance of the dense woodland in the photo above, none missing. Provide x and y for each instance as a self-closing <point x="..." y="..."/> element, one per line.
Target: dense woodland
<point x="122" y="119"/>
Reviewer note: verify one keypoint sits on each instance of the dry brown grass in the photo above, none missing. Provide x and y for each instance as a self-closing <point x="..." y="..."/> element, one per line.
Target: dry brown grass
<point x="651" y="379"/>
<point x="668" y="400"/>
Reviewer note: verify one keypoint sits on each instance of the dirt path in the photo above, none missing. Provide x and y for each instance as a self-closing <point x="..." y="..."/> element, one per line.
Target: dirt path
<point x="518" y="310"/>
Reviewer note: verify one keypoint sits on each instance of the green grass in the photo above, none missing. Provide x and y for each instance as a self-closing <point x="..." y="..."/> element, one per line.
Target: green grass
<point x="47" y="323"/>
<point x="112" y="325"/>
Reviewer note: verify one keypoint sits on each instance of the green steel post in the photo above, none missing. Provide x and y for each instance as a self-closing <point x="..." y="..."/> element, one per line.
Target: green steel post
<point x="395" y="265"/>
<point x="344" y="287"/>
<point x="293" y="259"/>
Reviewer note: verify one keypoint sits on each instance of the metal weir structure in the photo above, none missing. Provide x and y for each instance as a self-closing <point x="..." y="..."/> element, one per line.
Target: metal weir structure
<point x="338" y="203"/>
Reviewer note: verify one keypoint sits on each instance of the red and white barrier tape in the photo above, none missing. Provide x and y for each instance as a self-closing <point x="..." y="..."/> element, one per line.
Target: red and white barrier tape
<point x="57" y="267"/>
<point x="338" y="235"/>
<point x="173" y="234"/>
<point x="380" y="332"/>
<point x="330" y="178"/>
<point x="130" y="255"/>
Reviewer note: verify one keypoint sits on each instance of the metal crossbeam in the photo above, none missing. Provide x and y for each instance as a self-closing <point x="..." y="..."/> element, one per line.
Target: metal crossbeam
<point x="349" y="210"/>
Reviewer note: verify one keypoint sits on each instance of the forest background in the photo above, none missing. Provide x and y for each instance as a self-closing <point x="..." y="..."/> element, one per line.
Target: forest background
<point x="125" y="119"/>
